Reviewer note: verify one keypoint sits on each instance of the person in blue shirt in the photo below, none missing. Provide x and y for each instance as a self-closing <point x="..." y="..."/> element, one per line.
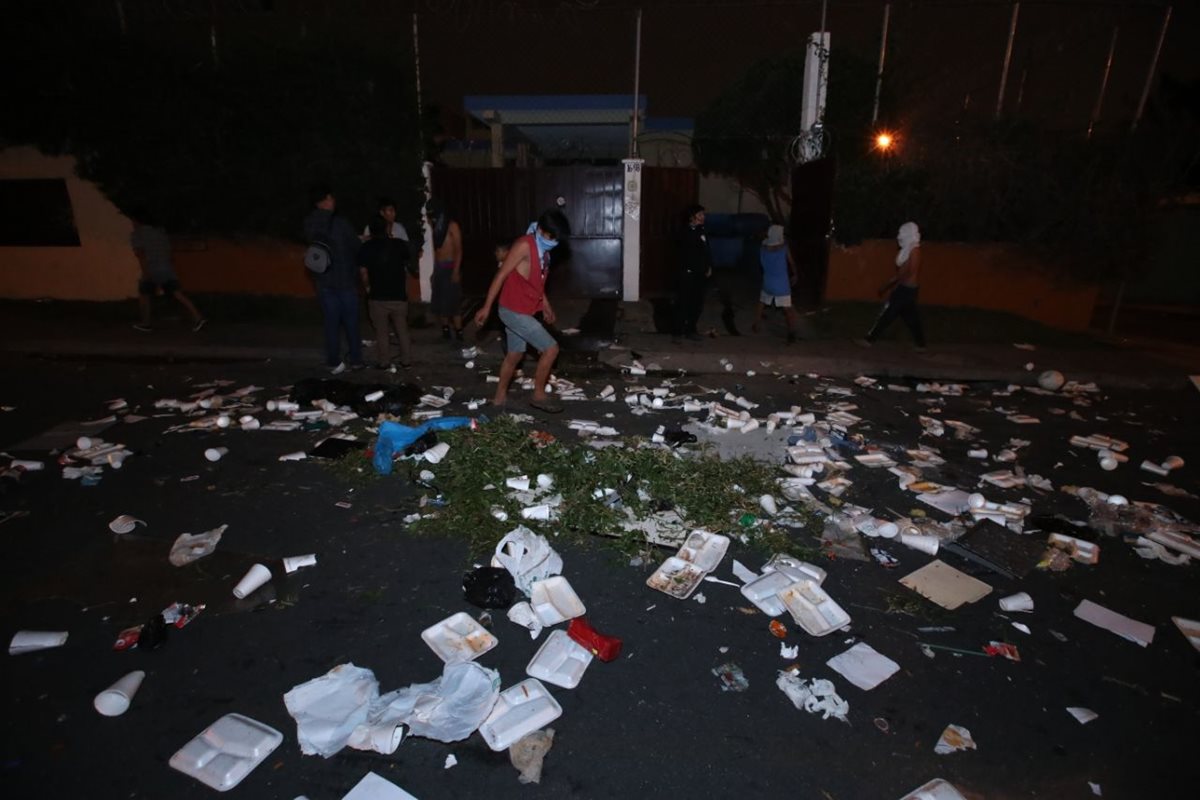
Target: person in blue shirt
<point x="337" y="287"/>
<point x="779" y="276"/>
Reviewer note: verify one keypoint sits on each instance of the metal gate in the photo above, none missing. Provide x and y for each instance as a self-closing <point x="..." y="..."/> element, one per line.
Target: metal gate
<point x="494" y="205"/>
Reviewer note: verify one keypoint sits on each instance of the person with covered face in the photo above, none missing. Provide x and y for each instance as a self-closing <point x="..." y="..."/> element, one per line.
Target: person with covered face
<point x="520" y="285"/>
<point x="900" y="292"/>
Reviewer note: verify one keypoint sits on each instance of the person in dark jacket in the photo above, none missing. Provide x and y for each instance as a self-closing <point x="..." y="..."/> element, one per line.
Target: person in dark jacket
<point x="695" y="268"/>
<point x="384" y="263"/>
<point x="337" y="287"/>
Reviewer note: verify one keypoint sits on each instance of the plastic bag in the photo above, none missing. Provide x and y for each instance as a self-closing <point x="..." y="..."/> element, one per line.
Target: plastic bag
<point x="528" y="556"/>
<point x="489" y="587"/>
<point x="528" y="753"/>
<point x="189" y="547"/>
<point x="448" y="709"/>
<point x="328" y="709"/>
<point x="394" y="437"/>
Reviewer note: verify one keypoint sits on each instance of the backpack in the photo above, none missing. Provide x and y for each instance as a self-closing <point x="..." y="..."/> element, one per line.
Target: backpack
<point x="318" y="256"/>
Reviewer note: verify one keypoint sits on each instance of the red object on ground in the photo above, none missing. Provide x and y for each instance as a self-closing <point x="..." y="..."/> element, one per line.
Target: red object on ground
<point x="605" y="648"/>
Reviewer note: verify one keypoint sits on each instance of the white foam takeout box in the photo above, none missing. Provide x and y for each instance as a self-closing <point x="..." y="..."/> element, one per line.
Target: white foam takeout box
<point x="560" y="661"/>
<point x="681" y="573"/>
<point x="459" y="638"/>
<point x="778" y="574"/>
<point x="519" y="711"/>
<point x="813" y="609"/>
<point x="554" y="601"/>
<point x="226" y="751"/>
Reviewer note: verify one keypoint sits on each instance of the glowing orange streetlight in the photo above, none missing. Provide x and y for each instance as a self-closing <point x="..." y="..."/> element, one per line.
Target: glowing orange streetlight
<point x="884" y="141"/>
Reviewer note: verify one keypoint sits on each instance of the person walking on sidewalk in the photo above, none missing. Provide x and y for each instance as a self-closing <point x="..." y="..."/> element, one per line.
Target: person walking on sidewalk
<point x="901" y="291"/>
<point x="520" y="284"/>
<point x="447" y="269"/>
<point x="695" y="268"/>
<point x="384" y="264"/>
<point x="779" y="276"/>
<point x="153" y="250"/>
<point x="337" y="286"/>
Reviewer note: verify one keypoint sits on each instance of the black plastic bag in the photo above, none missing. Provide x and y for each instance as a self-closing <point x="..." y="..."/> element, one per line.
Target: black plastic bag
<point x="489" y="587"/>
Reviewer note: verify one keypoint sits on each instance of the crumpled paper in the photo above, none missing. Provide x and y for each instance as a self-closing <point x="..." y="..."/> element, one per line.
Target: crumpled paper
<point x="528" y="753"/>
<point x="189" y="547"/>
<point x="528" y="556"/>
<point x="813" y="696"/>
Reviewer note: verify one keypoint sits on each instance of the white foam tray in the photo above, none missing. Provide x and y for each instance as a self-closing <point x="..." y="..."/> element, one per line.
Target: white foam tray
<point x="795" y="568"/>
<point x="560" y="661"/>
<point x="813" y="609"/>
<point x="554" y="601"/>
<point x="704" y="549"/>
<point x="764" y="592"/>
<point x="459" y="638"/>
<point x="520" y="710"/>
<point x="226" y="751"/>
<point x="676" y="577"/>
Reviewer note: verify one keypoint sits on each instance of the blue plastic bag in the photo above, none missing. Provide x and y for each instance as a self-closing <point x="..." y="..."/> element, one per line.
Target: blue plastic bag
<point x="395" y="437"/>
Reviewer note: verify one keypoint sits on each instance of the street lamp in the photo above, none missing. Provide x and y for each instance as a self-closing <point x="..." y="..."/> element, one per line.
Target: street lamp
<point x="884" y="141"/>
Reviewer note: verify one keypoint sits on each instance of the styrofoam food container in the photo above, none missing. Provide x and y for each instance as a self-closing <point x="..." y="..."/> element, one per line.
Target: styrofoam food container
<point x="520" y="710"/>
<point x="676" y="577"/>
<point x="795" y="568"/>
<point x="554" y="601"/>
<point x="764" y="592"/>
<point x="813" y="609"/>
<point x="704" y="549"/>
<point x="459" y="638"/>
<point x="226" y="751"/>
<point x="560" y="661"/>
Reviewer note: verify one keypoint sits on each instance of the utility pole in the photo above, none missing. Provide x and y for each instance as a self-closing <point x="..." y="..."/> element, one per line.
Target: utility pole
<point x="1162" y="35"/>
<point x="637" y="77"/>
<point x="887" y="10"/>
<point x="1112" y="47"/>
<point x="1012" y="32"/>
<point x="417" y="69"/>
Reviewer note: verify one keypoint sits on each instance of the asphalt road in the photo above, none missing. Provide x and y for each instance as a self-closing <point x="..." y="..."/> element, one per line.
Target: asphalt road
<point x="654" y="723"/>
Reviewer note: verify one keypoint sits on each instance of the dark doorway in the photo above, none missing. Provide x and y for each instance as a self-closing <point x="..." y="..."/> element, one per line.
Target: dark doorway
<point x="811" y="226"/>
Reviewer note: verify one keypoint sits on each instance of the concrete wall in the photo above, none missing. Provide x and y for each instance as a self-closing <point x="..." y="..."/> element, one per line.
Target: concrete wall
<point x="262" y="266"/>
<point x="103" y="267"/>
<point x="991" y="276"/>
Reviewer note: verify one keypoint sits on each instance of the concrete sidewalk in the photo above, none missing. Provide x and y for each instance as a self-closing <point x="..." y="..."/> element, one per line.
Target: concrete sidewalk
<point x="1140" y="364"/>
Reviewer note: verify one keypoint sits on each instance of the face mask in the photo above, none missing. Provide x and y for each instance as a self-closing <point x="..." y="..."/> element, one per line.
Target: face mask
<point x="545" y="244"/>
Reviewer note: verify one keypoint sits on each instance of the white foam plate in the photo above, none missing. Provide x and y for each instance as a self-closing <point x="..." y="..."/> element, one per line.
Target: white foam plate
<point x="676" y="577"/>
<point x="554" y="601"/>
<point x="813" y="609"/>
<point x="560" y="661"/>
<point x="520" y="710"/>
<point x="226" y="751"/>
<point x="704" y="549"/>
<point x="459" y="638"/>
<point x="764" y="592"/>
<point x="794" y="567"/>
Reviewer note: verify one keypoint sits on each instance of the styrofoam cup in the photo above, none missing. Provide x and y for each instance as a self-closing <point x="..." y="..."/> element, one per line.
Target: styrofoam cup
<point x="114" y="701"/>
<point x="124" y="524"/>
<point x="374" y="396"/>
<point x="255" y="577"/>
<point x="926" y="544"/>
<point x="541" y="512"/>
<point x="293" y="563"/>
<point x="84" y="443"/>
<point x="767" y="504"/>
<point x="436" y="453"/>
<point x="1021" y="601"/>
<point x="215" y="453"/>
<point x="223" y="421"/>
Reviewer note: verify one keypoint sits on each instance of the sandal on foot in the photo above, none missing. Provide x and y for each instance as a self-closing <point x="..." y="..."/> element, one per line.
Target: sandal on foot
<point x="547" y="405"/>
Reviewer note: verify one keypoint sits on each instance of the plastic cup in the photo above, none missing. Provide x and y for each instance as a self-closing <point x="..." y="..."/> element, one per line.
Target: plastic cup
<point x="520" y="483"/>
<point x="374" y="396"/>
<point x="250" y="424"/>
<point x="889" y="530"/>
<point x="29" y="641"/>
<point x="26" y="465"/>
<point x="767" y="504"/>
<point x="1021" y="601"/>
<point x="255" y="577"/>
<point x="540" y="512"/>
<point x="124" y="524"/>
<point x="436" y="453"/>
<point x="293" y="563"/>
<point x="215" y="453"/>
<point x="926" y="544"/>
<point x="84" y="443"/>
<point x="223" y="421"/>
<point x="114" y="701"/>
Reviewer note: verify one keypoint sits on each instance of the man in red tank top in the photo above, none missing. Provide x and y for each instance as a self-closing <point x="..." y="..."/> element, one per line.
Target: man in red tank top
<point x="520" y="284"/>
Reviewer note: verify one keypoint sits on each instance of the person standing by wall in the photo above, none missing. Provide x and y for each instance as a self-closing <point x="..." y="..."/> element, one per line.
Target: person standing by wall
<point x="337" y="286"/>
<point x="446" y="300"/>
<point x="691" y="279"/>
<point x="779" y="276"/>
<point x="384" y="264"/>
<point x="520" y="285"/>
<point x="901" y="291"/>
<point x="153" y="250"/>
<point x="386" y="209"/>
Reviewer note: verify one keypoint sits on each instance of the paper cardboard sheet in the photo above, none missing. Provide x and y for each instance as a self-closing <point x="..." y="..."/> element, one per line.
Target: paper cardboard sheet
<point x="1121" y="625"/>
<point x="945" y="585"/>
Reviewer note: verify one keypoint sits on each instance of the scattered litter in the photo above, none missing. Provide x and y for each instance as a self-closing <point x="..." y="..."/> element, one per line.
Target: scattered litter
<point x="732" y="678"/>
<point x="863" y="666"/>
<point x="938" y="789"/>
<point x="1137" y="632"/>
<point x="1189" y="628"/>
<point x="519" y="711"/>
<point x="560" y="661"/>
<point x="374" y="787"/>
<point x="529" y="752"/>
<point x="1002" y="649"/>
<point x="125" y="524"/>
<point x="190" y="547"/>
<point x="29" y="641"/>
<point x="115" y="700"/>
<point x="945" y="585"/>
<point x="954" y="738"/>
<point x="458" y="638"/>
<point x="1083" y="715"/>
<point x="788" y="653"/>
<point x="812" y="696"/>
<point x="489" y="587"/>
<point x="224" y="753"/>
<point x="527" y="556"/>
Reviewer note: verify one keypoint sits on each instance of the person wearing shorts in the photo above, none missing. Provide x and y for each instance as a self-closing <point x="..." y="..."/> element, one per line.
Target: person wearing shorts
<point x="779" y="275"/>
<point x="153" y="250"/>
<point x="520" y="285"/>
